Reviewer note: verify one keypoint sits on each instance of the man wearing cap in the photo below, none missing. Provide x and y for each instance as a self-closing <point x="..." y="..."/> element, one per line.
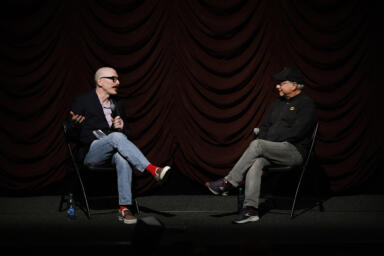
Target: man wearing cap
<point x="283" y="138"/>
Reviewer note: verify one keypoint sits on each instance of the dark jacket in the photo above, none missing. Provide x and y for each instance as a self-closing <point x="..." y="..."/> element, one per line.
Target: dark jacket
<point x="291" y="120"/>
<point x="89" y="106"/>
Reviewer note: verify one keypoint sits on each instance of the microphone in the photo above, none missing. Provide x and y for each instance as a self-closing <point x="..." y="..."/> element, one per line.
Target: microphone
<point x="113" y="108"/>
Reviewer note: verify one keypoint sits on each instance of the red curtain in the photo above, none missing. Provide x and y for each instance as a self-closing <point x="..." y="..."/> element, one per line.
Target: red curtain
<point x="195" y="79"/>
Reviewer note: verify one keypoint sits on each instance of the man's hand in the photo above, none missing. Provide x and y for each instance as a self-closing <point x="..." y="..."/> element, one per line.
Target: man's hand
<point x="77" y="119"/>
<point x="118" y="123"/>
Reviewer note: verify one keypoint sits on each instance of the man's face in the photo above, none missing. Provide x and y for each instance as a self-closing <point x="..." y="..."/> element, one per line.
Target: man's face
<point x="286" y="88"/>
<point x="109" y="81"/>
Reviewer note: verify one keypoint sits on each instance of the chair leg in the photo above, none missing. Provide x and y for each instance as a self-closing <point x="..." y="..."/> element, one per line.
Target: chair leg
<point x="321" y="206"/>
<point x="294" y="204"/>
<point x="62" y="200"/>
<point x="292" y="212"/>
<point x="296" y="193"/>
<point x="137" y="206"/>
<point x="240" y="198"/>
<point x="87" y="209"/>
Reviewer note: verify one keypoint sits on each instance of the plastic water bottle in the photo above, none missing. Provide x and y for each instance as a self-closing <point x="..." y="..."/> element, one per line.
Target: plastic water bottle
<point x="71" y="207"/>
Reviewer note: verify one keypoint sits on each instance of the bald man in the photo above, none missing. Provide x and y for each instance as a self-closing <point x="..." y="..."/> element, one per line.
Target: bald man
<point x="98" y="119"/>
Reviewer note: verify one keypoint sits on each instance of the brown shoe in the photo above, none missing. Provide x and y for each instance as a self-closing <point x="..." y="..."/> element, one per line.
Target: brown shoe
<point x="127" y="217"/>
<point x="161" y="173"/>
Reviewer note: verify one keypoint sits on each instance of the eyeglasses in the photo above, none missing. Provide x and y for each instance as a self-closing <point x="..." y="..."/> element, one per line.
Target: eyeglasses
<point x="113" y="78"/>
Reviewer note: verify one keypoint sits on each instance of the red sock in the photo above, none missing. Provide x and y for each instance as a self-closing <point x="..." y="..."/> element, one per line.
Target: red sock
<point x="122" y="207"/>
<point x="152" y="169"/>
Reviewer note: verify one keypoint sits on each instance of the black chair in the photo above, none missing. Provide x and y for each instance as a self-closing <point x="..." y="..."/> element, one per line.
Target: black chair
<point x="83" y="171"/>
<point x="285" y="168"/>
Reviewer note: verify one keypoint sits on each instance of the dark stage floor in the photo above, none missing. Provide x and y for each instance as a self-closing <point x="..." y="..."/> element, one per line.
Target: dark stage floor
<point x="197" y="225"/>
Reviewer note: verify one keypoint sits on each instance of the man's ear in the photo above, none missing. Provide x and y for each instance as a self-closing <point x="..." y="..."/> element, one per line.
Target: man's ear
<point x="98" y="82"/>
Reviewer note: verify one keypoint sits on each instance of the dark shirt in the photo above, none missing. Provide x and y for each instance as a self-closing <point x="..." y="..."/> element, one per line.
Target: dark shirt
<point x="290" y="120"/>
<point x="89" y="106"/>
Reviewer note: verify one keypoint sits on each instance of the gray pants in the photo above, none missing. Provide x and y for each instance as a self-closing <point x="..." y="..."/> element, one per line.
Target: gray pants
<point x="259" y="154"/>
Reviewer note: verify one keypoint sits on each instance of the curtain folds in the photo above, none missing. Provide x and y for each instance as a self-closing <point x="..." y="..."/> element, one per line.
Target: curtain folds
<point x="195" y="80"/>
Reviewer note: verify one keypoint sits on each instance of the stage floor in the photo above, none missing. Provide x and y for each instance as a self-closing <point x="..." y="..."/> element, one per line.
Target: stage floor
<point x="202" y="223"/>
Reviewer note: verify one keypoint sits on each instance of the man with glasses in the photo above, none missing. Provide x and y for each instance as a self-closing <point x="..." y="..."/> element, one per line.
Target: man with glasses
<point x="98" y="119"/>
<point x="283" y="138"/>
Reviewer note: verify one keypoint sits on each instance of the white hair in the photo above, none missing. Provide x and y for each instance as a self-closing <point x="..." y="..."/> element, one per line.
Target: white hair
<point x="100" y="72"/>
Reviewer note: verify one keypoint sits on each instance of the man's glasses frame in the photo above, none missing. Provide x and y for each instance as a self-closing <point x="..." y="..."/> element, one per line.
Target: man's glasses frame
<point x="113" y="78"/>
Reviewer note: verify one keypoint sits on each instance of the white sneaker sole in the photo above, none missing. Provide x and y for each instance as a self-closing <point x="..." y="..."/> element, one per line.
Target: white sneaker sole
<point x="130" y="221"/>
<point x="250" y="219"/>
<point x="164" y="172"/>
<point x="213" y="191"/>
<point x="134" y="221"/>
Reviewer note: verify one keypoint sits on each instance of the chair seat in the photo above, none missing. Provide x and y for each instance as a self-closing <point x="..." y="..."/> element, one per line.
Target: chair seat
<point x="280" y="168"/>
<point x="100" y="168"/>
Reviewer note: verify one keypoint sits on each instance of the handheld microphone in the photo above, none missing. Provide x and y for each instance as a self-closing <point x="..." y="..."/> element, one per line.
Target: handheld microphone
<point x="113" y="108"/>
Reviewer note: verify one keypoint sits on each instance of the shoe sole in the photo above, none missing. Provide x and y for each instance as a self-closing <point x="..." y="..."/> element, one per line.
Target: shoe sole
<point x="164" y="172"/>
<point x="250" y="219"/>
<point x="125" y="221"/>
<point x="216" y="193"/>
<point x="130" y="221"/>
<point x="213" y="191"/>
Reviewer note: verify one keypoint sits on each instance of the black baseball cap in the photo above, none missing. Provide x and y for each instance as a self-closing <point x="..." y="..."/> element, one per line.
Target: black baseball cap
<point x="291" y="74"/>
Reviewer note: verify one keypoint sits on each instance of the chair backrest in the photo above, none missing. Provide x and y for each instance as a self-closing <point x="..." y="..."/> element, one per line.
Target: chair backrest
<point x="313" y="140"/>
<point x="66" y="129"/>
<point x="68" y="136"/>
<point x="69" y="140"/>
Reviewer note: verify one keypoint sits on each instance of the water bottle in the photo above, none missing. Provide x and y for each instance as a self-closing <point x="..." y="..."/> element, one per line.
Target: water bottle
<point x="71" y="207"/>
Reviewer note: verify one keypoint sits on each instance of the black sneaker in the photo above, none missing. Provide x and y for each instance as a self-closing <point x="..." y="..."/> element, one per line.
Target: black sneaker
<point x="219" y="187"/>
<point x="247" y="214"/>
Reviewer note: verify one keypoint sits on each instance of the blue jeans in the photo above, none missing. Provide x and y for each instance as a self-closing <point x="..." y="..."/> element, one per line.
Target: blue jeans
<point x="123" y="153"/>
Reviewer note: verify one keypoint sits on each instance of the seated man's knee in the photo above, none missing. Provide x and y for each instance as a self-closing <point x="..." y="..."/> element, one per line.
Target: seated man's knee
<point x="117" y="136"/>
<point x="256" y="145"/>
